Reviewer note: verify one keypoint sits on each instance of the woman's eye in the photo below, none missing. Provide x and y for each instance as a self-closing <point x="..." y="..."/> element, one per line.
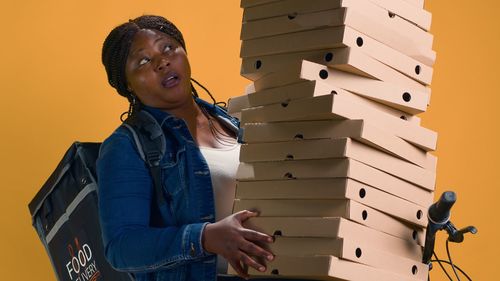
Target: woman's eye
<point x="144" y="61"/>
<point x="167" y="48"/>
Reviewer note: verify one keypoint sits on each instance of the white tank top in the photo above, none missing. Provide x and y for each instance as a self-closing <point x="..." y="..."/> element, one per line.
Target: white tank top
<point x="222" y="163"/>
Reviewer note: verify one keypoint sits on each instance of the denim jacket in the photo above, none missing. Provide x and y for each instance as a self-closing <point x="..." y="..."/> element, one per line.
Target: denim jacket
<point x="136" y="239"/>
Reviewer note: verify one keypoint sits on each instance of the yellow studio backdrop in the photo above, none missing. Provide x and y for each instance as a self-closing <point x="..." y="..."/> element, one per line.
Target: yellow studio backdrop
<point x="54" y="91"/>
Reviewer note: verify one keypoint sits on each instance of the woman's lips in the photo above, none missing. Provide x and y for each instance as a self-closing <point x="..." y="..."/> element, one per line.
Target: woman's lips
<point x="171" y="80"/>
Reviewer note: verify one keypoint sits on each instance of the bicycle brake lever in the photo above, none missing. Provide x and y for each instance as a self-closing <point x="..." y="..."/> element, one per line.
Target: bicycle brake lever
<point x="457" y="236"/>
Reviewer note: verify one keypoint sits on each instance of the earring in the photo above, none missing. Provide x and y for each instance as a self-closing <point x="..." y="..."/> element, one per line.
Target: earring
<point x="132" y="100"/>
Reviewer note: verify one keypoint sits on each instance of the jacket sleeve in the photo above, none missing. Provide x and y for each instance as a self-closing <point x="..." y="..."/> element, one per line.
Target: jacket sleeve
<point x="125" y="196"/>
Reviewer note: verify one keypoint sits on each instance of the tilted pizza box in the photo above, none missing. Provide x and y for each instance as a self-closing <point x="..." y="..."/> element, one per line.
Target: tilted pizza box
<point x="333" y="37"/>
<point x="370" y="19"/>
<point x="334" y="168"/>
<point x="332" y="129"/>
<point x="339" y="227"/>
<point x="323" y="268"/>
<point x="336" y="188"/>
<point x="253" y="67"/>
<point x="338" y="148"/>
<point x="306" y="70"/>
<point x="239" y="103"/>
<point x="355" y="250"/>
<point x="384" y="99"/>
<point x="340" y="106"/>
<point x="345" y="59"/>
<point x="402" y="9"/>
<point x="315" y="88"/>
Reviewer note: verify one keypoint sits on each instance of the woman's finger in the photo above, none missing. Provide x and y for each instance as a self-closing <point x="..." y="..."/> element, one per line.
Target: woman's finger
<point x="254" y="235"/>
<point x="246" y="259"/>
<point x="236" y="264"/>
<point x="242" y="216"/>
<point x="255" y="250"/>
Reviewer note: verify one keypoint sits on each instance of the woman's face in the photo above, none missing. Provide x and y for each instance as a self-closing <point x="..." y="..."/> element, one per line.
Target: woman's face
<point x="157" y="70"/>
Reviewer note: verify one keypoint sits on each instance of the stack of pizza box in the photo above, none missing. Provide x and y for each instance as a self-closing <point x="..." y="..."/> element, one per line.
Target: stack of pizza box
<point x="334" y="157"/>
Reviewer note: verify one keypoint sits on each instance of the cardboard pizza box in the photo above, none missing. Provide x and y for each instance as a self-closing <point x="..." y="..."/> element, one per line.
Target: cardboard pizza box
<point x="403" y="9"/>
<point x="333" y="37"/>
<point x="306" y="89"/>
<point x="337" y="188"/>
<point x="347" y="209"/>
<point x="256" y="67"/>
<point x="323" y="268"/>
<point x="345" y="59"/>
<point x="239" y="103"/>
<point x="419" y="17"/>
<point x="335" y="168"/>
<point x="381" y="96"/>
<point x="252" y="3"/>
<point x="399" y="97"/>
<point x="331" y="129"/>
<point x="340" y="106"/>
<point x="338" y="148"/>
<point x="360" y="251"/>
<point x="339" y="227"/>
<point x="370" y="20"/>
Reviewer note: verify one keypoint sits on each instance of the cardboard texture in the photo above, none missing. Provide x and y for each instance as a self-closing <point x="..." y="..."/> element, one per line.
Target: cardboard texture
<point x="340" y="106"/>
<point x="398" y="97"/>
<point x="255" y="68"/>
<point x="285" y="7"/>
<point x="359" y="251"/>
<point x="334" y="168"/>
<point x="370" y="20"/>
<point x="417" y="3"/>
<point x="380" y="96"/>
<point x="324" y="268"/>
<point x="340" y="188"/>
<point x="252" y="3"/>
<point x="237" y="104"/>
<point x="403" y="9"/>
<point x="331" y="129"/>
<point x="337" y="227"/>
<point x="345" y="59"/>
<point x="333" y="37"/>
<point x="338" y="148"/>
<point x="420" y="17"/>
<point x="293" y="7"/>
<point x="295" y="72"/>
<point x="344" y="208"/>
<point x="313" y="71"/>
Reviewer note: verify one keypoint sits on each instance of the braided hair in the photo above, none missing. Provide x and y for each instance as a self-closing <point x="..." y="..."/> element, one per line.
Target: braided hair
<point x="116" y="48"/>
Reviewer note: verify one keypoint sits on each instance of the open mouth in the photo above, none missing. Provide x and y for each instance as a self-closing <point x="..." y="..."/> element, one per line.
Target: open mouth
<point x="171" y="80"/>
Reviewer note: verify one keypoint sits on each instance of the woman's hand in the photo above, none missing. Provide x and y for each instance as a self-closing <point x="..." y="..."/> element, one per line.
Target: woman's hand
<point x="236" y="243"/>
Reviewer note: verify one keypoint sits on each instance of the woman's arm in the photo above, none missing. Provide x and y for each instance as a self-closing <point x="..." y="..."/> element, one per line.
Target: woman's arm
<point x="125" y="197"/>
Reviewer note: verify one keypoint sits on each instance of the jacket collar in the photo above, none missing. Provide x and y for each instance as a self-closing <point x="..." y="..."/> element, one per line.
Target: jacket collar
<point x="217" y="111"/>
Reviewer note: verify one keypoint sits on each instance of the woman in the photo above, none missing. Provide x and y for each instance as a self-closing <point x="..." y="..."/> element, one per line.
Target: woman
<point x="145" y="60"/>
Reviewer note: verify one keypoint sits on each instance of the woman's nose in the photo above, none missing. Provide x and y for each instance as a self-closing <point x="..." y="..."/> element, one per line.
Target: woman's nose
<point x="161" y="63"/>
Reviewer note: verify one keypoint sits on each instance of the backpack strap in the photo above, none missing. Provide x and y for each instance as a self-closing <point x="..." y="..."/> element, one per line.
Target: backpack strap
<point x="150" y="142"/>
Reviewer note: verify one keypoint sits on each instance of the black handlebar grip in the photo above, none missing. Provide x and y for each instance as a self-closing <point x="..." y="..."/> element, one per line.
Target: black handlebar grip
<point x="439" y="212"/>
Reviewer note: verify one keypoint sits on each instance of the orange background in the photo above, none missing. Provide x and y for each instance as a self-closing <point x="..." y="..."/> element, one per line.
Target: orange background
<point x="54" y="91"/>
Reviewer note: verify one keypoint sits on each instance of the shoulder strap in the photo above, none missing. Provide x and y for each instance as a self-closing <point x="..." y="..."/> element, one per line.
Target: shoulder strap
<point x="150" y="142"/>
